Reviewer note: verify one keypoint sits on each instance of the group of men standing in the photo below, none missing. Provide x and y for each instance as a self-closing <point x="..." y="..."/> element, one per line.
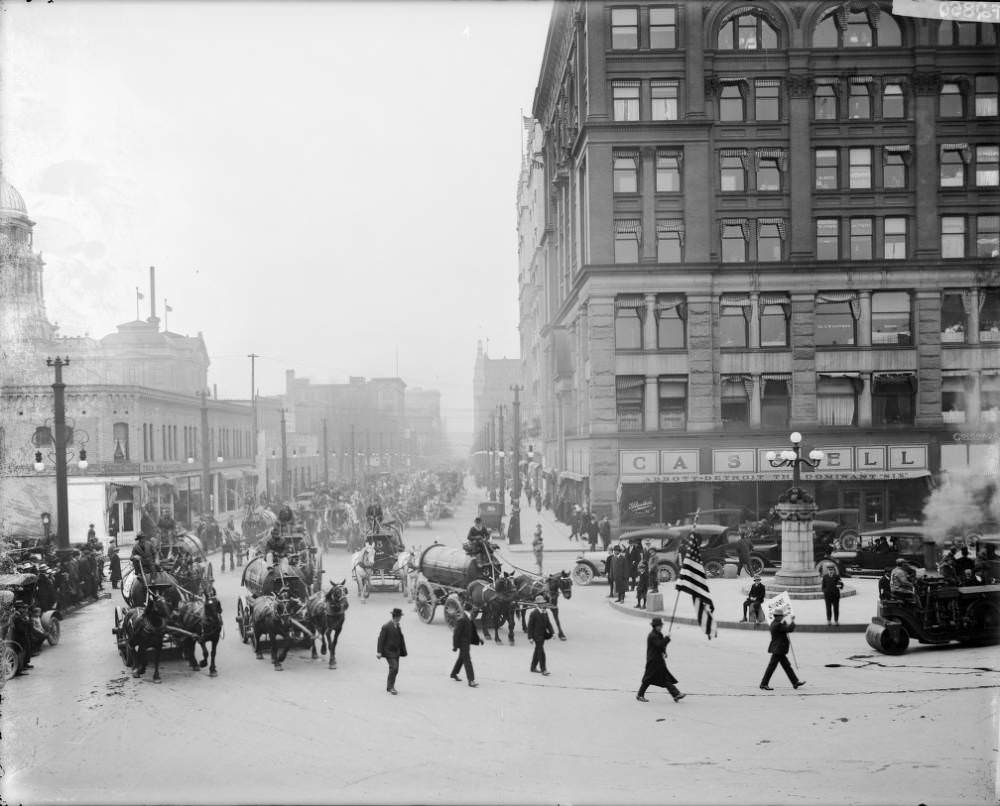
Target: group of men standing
<point x="584" y="524"/>
<point x="628" y="569"/>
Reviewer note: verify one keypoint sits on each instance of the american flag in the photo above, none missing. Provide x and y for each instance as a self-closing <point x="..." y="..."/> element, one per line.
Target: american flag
<point x="692" y="580"/>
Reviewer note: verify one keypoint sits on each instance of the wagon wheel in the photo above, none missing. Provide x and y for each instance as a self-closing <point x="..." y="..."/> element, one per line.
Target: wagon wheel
<point x="10" y="660"/>
<point x="53" y="631"/>
<point x="452" y="609"/>
<point x="239" y="620"/>
<point x="425" y="603"/>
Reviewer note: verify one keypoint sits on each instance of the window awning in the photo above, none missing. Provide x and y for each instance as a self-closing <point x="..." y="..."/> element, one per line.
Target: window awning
<point x="882" y="381"/>
<point x="735" y="301"/>
<point x="840" y="374"/>
<point x="631" y="226"/>
<point x="862" y="79"/>
<point x="774" y="298"/>
<point x="670" y="225"/>
<point x="625" y="82"/>
<point x="777" y="222"/>
<point x="836" y="296"/>
<point x="768" y="82"/>
<point x="625" y="154"/>
<point x="630" y="301"/>
<point x="896" y="149"/>
<point x="667" y="302"/>
<point x="625" y="382"/>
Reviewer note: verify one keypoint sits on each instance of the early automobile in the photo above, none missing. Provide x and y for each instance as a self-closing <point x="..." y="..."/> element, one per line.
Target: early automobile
<point x="492" y="514"/>
<point x="879" y="549"/>
<point x="593" y="564"/>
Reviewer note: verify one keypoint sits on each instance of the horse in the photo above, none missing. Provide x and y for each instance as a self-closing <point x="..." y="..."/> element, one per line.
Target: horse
<point x="551" y="587"/>
<point x="203" y="618"/>
<point x="362" y="564"/>
<point x="497" y="602"/>
<point x="406" y="569"/>
<point x="145" y="628"/>
<point x="271" y="614"/>
<point x="326" y="613"/>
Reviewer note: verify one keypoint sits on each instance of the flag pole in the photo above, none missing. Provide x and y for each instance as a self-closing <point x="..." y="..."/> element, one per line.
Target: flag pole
<point x="674" y="613"/>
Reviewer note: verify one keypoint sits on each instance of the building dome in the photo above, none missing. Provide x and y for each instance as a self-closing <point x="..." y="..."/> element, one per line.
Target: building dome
<point x="11" y="202"/>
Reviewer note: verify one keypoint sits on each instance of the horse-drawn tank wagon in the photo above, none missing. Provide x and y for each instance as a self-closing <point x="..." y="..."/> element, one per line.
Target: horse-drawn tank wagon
<point x="448" y="576"/>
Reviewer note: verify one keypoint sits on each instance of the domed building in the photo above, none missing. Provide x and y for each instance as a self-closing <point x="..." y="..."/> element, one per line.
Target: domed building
<point x="134" y="410"/>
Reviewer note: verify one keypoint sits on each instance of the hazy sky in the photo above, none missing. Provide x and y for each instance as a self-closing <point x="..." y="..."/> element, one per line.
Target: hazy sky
<point x="322" y="183"/>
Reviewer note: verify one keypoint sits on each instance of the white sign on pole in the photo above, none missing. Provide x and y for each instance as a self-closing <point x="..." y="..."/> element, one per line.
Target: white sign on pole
<point x="956" y="10"/>
<point x="781" y="600"/>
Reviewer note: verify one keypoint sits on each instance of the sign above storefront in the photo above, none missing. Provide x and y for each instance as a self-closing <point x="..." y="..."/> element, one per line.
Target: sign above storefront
<point x="957" y="10"/>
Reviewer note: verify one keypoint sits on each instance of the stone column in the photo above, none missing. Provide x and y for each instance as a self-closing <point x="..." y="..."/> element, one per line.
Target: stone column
<point x="797" y="574"/>
<point x="865" y="319"/>
<point x="865" y="401"/>
<point x="651" y="414"/>
<point x="755" y="391"/>
<point x="754" y="320"/>
<point x="649" y="324"/>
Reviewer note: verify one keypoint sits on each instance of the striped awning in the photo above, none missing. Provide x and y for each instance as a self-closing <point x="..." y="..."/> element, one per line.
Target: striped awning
<point x="862" y="79"/>
<point x="826" y="80"/>
<point x="670" y="225"/>
<point x="880" y="380"/>
<point x="836" y="296"/>
<point x="732" y="152"/>
<point x="630" y="301"/>
<point x="742" y="223"/>
<point x="623" y="383"/>
<point x="735" y="301"/>
<point x="768" y="82"/>
<point x="625" y="82"/>
<point x="625" y="154"/>
<point x="840" y="374"/>
<point x="897" y="149"/>
<point x="667" y="302"/>
<point x="777" y="222"/>
<point x="774" y="298"/>
<point x="629" y="226"/>
<point x="775" y="376"/>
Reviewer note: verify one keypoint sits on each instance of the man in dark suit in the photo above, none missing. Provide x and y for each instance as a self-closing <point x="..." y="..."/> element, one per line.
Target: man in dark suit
<point x="755" y="598"/>
<point x="539" y="631"/>
<point x="622" y="567"/>
<point x="392" y="647"/>
<point x="463" y="637"/>
<point x="831" y="595"/>
<point x="634" y="558"/>
<point x="779" y="647"/>
<point x="609" y="566"/>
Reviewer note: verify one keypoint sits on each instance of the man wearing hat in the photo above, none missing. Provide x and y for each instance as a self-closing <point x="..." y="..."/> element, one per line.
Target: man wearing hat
<point x="656" y="673"/>
<point x="755" y="598"/>
<point x="539" y="631"/>
<point x="143" y="555"/>
<point x="463" y="637"/>
<point x="622" y="565"/>
<point x="392" y="647"/>
<point x="779" y="646"/>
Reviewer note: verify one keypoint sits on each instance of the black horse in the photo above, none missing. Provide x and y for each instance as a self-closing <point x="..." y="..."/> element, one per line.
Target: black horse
<point x="497" y="603"/>
<point x="272" y="614"/>
<point x="145" y="628"/>
<point x="551" y="587"/>
<point x="326" y="614"/>
<point x="202" y="618"/>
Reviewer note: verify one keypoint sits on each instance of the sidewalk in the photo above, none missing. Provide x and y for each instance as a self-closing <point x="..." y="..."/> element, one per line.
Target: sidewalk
<point x="810" y="614"/>
<point x="554" y="533"/>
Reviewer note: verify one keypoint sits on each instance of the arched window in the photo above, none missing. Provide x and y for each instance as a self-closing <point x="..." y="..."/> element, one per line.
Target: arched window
<point x="747" y="29"/>
<point x="857" y="26"/>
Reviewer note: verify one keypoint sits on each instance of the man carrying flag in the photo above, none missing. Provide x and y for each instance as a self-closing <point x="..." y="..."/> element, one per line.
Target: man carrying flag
<point x="692" y="579"/>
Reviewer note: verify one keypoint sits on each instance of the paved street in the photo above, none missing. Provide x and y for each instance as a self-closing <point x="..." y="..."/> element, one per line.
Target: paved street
<point x="854" y="734"/>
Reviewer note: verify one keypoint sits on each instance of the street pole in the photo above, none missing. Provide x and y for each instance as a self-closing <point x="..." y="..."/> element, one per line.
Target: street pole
<point x="514" y="524"/>
<point x="253" y="399"/>
<point x="206" y="498"/>
<point x="284" y="458"/>
<point x="493" y="454"/>
<point x="500" y="453"/>
<point x="326" y="456"/>
<point x="62" y="495"/>
<point x="354" y="457"/>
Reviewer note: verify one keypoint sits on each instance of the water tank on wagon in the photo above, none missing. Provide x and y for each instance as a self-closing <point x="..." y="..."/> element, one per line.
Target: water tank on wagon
<point x="453" y="567"/>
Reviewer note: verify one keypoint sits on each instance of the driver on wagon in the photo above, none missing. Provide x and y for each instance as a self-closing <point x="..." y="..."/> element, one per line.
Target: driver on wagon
<point x="143" y="557"/>
<point x="276" y="545"/>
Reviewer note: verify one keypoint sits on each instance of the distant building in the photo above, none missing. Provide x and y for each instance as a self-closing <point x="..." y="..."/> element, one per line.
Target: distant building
<point x="744" y="219"/>
<point x="132" y="404"/>
<point x="491" y="387"/>
<point x="424" y="428"/>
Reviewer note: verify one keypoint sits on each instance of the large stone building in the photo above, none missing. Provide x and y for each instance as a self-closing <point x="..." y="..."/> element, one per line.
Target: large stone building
<point x="492" y="380"/>
<point x="762" y="217"/>
<point x="133" y="404"/>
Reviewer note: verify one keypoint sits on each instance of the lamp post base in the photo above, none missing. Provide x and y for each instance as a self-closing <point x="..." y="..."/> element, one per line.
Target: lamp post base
<point x="797" y="584"/>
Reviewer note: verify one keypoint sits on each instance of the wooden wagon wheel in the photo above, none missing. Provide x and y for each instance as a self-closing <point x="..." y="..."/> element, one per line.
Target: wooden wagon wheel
<point x="452" y="609"/>
<point x="53" y="631"/>
<point x="425" y="603"/>
<point x="239" y="620"/>
<point x="9" y="660"/>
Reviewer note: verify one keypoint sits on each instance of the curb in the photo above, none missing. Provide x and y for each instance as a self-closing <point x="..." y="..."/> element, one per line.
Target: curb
<point x="737" y="625"/>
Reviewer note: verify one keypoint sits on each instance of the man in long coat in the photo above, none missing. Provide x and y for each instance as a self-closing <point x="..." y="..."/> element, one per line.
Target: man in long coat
<point x="779" y="646"/>
<point x="463" y="637"/>
<point x="539" y="631"/>
<point x="392" y="647"/>
<point x="621" y="570"/>
<point x="656" y="673"/>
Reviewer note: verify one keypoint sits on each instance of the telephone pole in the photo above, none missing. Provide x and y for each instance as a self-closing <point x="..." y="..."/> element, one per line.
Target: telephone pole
<point x="206" y="497"/>
<point x="284" y="458"/>
<point x="500" y="452"/>
<point x="354" y="455"/>
<point x="493" y="448"/>
<point x="326" y="456"/>
<point x="514" y="524"/>
<point x="62" y="492"/>
<point x="253" y="399"/>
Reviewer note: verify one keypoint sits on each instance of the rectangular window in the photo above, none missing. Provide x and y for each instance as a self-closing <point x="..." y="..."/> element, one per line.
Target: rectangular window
<point x="775" y="316"/>
<point x="893" y="399"/>
<point x="954" y="319"/>
<point x="770" y="236"/>
<point x="859" y="102"/>
<point x="735" y="404"/>
<point x="953" y="166"/>
<point x="893" y="105"/>
<point x="953" y="401"/>
<point x="827" y="239"/>
<point x="837" y="400"/>
<point x="629" y="390"/>
<point x="630" y="311"/>
<point x="734" y="242"/>
<point x="664" y="100"/>
<point x="734" y="320"/>
<point x="987" y="236"/>
<point x="895" y="239"/>
<point x="775" y="402"/>
<point x="826" y="169"/>
<point x="860" y="168"/>
<point x="767" y="100"/>
<point x="626" y="173"/>
<point x="891" y="318"/>
<point x="862" y="232"/>
<point x="732" y="172"/>
<point x="671" y="322"/>
<point x="768" y="174"/>
<point x="668" y="172"/>
<point x="894" y="173"/>
<point x="624" y="29"/>
<point x="836" y="319"/>
<point x="950" y="101"/>
<point x="986" y="96"/>
<point x="662" y="27"/>
<point x="628" y="234"/>
<point x="731" y="103"/>
<point x="669" y="241"/>
<point x="625" y="96"/>
<point x="987" y="166"/>
<point x="673" y="403"/>
<point x="825" y="101"/>
<point x="952" y="236"/>
<point x="989" y="315"/>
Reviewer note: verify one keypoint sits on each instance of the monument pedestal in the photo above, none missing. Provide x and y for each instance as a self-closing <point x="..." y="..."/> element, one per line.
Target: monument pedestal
<point x="654" y="602"/>
<point x="798" y="576"/>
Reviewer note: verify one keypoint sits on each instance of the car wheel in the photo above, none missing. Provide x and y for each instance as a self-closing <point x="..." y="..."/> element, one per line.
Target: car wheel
<point x="53" y="631"/>
<point x="665" y="572"/>
<point x="849" y="540"/>
<point x="714" y="568"/>
<point x="756" y="565"/>
<point x="583" y="574"/>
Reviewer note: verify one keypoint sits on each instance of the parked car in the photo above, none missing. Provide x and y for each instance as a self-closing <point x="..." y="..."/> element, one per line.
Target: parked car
<point x="878" y="550"/>
<point x="592" y="564"/>
<point x="732" y="517"/>
<point x="765" y="530"/>
<point x="849" y="525"/>
<point x="718" y="543"/>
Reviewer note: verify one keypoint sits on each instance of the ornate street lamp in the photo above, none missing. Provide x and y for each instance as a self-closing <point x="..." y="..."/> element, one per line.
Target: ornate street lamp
<point x="793" y="458"/>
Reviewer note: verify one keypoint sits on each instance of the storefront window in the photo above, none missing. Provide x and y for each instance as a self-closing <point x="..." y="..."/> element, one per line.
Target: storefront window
<point x="893" y="397"/>
<point x="640" y="504"/>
